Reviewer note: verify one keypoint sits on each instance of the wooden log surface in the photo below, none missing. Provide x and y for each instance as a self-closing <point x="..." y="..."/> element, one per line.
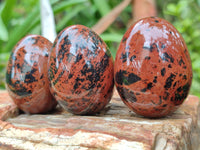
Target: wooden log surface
<point x="115" y="127"/>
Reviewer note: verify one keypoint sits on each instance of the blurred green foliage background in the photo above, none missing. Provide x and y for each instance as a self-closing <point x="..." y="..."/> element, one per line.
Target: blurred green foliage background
<point x="21" y="17"/>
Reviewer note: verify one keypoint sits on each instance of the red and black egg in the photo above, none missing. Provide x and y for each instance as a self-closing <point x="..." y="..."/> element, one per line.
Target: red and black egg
<point x="27" y="75"/>
<point x="153" y="70"/>
<point x="81" y="71"/>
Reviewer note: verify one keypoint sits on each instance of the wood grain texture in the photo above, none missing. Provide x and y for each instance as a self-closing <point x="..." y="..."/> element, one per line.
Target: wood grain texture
<point x="116" y="127"/>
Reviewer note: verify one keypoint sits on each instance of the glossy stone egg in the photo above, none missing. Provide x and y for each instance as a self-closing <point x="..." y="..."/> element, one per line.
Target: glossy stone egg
<point x="152" y="68"/>
<point x="27" y="75"/>
<point x="81" y="71"/>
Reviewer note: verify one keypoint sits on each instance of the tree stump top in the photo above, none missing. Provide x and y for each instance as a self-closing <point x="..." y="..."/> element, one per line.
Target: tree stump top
<point x="115" y="127"/>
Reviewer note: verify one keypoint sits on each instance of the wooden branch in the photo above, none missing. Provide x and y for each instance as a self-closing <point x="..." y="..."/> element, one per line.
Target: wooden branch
<point x="143" y="8"/>
<point x="47" y="20"/>
<point x="107" y="20"/>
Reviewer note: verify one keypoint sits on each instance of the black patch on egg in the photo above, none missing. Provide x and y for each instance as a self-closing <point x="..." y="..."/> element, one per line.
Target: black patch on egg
<point x="166" y="57"/>
<point x="78" y="58"/>
<point x="94" y="46"/>
<point x="124" y="39"/>
<point x="163" y="46"/>
<point x="17" y="65"/>
<point x="166" y="95"/>
<point x="35" y="40"/>
<point x="154" y="66"/>
<point x="52" y="71"/>
<point x="23" y="51"/>
<point x="152" y="47"/>
<point x="184" y="77"/>
<point x="179" y="89"/>
<point x="98" y="85"/>
<point x="146" y="47"/>
<point x="180" y="62"/>
<point x="158" y="110"/>
<point x="61" y="53"/>
<point x="17" y="82"/>
<point x="123" y="77"/>
<point x="153" y="102"/>
<point x="83" y="30"/>
<point x="185" y="51"/>
<point x="160" y="101"/>
<point x="96" y="40"/>
<point x="186" y="87"/>
<point x="78" y="83"/>
<point x="163" y="71"/>
<point x="124" y="56"/>
<point x="55" y="82"/>
<point x="184" y="67"/>
<point x="143" y="90"/>
<point x="85" y="99"/>
<point x="46" y="54"/>
<point x="127" y="95"/>
<point x="59" y="76"/>
<point x="132" y="58"/>
<point x="29" y="78"/>
<point x="181" y="93"/>
<point x="21" y="91"/>
<point x="155" y="79"/>
<point x="169" y="81"/>
<point x="174" y="84"/>
<point x="67" y="41"/>
<point x="70" y="76"/>
<point x="149" y="85"/>
<point x="96" y="72"/>
<point x="169" y="66"/>
<point x="103" y="64"/>
<point x="137" y="93"/>
<point x="119" y="77"/>
<point x="54" y="44"/>
<point x="147" y="58"/>
<point x="8" y="78"/>
<point x="132" y="78"/>
<point x="19" y="55"/>
<point x="41" y="76"/>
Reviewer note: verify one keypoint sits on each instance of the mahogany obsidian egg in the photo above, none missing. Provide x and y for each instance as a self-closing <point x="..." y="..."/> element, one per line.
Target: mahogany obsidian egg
<point x="152" y="68"/>
<point x="81" y="71"/>
<point x="27" y="75"/>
